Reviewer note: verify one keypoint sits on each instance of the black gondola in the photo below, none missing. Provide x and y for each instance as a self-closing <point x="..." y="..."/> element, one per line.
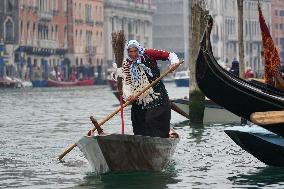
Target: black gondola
<point x="237" y="95"/>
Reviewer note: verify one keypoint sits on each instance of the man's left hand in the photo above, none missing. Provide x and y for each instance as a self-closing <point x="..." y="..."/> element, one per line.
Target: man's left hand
<point x="172" y="66"/>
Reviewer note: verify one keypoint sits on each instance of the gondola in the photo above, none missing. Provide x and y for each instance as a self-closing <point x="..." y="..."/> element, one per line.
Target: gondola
<point x="237" y="95"/>
<point x="261" y="143"/>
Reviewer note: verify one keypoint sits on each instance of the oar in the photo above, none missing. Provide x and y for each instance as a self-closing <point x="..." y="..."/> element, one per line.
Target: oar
<point x="178" y="110"/>
<point x="124" y="105"/>
<point x="267" y="118"/>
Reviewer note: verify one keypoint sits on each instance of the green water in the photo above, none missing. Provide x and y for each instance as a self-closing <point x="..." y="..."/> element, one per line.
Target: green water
<point x="36" y="125"/>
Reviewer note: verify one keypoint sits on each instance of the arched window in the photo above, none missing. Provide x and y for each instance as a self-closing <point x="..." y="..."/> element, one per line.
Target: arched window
<point x="9" y="31"/>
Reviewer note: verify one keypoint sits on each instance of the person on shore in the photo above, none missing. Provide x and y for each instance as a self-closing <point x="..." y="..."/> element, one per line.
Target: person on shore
<point x="235" y="67"/>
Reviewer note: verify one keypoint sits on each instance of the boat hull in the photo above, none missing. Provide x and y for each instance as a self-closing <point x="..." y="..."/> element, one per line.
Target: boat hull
<point x="237" y="95"/>
<point x="262" y="144"/>
<point x="182" y="82"/>
<point x="52" y="83"/>
<point x="39" y="83"/>
<point x="213" y="113"/>
<point x="127" y="152"/>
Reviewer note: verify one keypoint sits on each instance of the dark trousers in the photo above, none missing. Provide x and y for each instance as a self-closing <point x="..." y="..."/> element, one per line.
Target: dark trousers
<point x="154" y="122"/>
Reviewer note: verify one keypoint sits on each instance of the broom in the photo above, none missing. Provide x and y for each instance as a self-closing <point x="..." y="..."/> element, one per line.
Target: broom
<point x="118" y="44"/>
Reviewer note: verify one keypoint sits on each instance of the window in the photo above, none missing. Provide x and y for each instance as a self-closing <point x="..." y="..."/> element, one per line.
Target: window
<point x="276" y="12"/>
<point x="9" y="31"/>
<point x="65" y="5"/>
<point x="34" y="29"/>
<point x="56" y="32"/>
<point x="22" y="29"/>
<point x="28" y="28"/>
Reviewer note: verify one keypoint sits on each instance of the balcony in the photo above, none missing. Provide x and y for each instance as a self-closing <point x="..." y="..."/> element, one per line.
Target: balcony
<point x="90" y="22"/>
<point x="99" y="24"/>
<point x="79" y="21"/>
<point x="45" y="16"/>
<point x="55" y="12"/>
<point x="91" y="50"/>
<point x="51" y="44"/>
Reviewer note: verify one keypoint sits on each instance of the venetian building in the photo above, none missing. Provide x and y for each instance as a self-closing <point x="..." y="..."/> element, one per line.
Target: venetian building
<point x="171" y="26"/>
<point x="42" y="34"/>
<point x="132" y="16"/>
<point x="9" y="16"/>
<point x="224" y="35"/>
<point x="277" y="25"/>
<point x="86" y="33"/>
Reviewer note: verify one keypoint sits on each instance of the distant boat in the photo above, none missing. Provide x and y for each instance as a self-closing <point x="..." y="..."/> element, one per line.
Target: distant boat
<point x="53" y="83"/>
<point x="213" y="113"/>
<point x="8" y="82"/>
<point x="39" y="83"/>
<point x="26" y="84"/>
<point x="116" y="152"/>
<point x="182" y="79"/>
<point x="259" y="142"/>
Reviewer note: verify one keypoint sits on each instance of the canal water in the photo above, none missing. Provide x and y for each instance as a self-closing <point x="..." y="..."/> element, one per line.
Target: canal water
<point x="36" y="125"/>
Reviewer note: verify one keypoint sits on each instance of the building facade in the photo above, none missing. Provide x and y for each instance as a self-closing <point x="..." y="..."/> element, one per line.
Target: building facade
<point x="277" y="25"/>
<point x="132" y="16"/>
<point x="52" y="35"/>
<point x="42" y="35"/>
<point x="170" y="26"/>
<point x="9" y="35"/>
<point x="225" y="31"/>
<point x="85" y="33"/>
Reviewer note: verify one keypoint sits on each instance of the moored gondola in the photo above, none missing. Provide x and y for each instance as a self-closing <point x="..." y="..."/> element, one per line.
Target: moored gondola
<point x="237" y="95"/>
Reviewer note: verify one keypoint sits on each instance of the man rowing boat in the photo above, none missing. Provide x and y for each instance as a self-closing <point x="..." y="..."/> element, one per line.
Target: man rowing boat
<point x="151" y="111"/>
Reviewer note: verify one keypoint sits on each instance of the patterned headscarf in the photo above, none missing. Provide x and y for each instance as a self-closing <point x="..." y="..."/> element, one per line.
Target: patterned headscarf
<point x="138" y="61"/>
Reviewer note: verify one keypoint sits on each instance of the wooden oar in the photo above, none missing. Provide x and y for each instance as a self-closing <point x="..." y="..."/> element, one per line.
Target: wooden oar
<point x="267" y="118"/>
<point x="178" y="110"/>
<point x="124" y="105"/>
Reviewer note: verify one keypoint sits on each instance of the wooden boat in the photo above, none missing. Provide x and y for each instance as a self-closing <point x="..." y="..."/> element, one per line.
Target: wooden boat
<point x="182" y="79"/>
<point x="113" y="84"/>
<point x="213" y="113"/>
<point x="259" y="142"/>
<point x="115" y="152"/>
<point x="8" y="82"/>
<point x="52" y="83"/>
<point x="237" y="95"/>
<point x="39" y="83"/>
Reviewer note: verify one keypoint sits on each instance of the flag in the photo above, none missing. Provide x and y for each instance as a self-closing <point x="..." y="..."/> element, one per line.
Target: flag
<point x="271" y="55"/>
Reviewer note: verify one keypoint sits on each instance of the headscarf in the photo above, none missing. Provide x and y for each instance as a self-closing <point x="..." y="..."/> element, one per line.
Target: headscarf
<point x="138" y="61"/>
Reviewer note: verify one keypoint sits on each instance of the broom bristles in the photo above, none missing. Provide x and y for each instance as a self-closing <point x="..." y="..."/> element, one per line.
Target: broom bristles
<point x="118" y="44"/>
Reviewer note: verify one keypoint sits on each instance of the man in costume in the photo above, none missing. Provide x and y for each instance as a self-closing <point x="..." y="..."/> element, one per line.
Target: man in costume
<point x="151" y="111"/>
